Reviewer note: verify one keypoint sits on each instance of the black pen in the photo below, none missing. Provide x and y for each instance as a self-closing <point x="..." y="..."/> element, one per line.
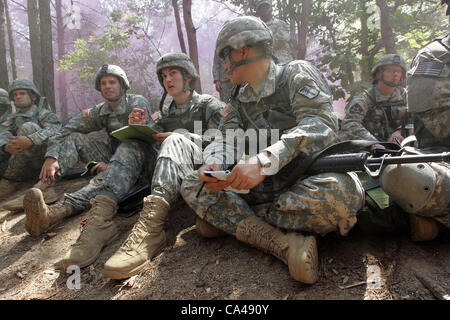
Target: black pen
<point x="199" y="191"/>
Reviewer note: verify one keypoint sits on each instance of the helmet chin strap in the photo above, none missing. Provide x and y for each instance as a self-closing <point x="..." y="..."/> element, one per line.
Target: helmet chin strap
<point x="390" y="84"/>
<point x="234" y="65"/>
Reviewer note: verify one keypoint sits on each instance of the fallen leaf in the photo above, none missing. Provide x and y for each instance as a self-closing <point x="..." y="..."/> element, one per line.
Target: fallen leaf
<point x="335" y="271"/>
<point x="345" y="280"/>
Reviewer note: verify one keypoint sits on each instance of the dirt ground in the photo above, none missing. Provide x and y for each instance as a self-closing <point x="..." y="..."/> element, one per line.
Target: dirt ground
<point x="356" y="267"/>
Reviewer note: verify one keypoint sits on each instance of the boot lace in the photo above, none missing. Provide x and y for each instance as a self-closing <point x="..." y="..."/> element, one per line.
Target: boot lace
<point x="140" y="229"/>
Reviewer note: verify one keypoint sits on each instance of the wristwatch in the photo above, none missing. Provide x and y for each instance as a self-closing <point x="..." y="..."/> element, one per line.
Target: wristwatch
<point x="264" y="160"/>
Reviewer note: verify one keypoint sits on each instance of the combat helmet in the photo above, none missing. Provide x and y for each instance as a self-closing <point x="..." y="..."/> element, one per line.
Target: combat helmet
<point x="240" y="32"/>
<point x="24" y="85"/>
<point x="4" y="97"/>
<point x="176" y="60"/>
<point x="257" y="3"/>
<point x="389" y="59"/>
<point x="110" y="69"/>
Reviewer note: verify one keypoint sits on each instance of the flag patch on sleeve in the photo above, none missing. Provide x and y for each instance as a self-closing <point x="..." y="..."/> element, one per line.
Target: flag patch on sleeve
<point x="225" y="111"/>
<point x="85" y="113"/>
<point x="155" y="116"/>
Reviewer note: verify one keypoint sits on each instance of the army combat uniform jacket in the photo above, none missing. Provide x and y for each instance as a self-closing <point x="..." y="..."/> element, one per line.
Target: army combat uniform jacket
<point x="39" y="125"/>
<point x="281" y="38"/>
<point x="373" y="116"/>
<point x="295" y="100"/>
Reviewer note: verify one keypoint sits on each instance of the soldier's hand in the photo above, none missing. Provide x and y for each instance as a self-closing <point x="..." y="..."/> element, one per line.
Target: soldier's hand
<point x="99" y="167"/>
<point x="397" y="135"/>
<point x="49" y="169"/>
<point x="246" y="174"/>
<point x="218" y="85"/>
<point x="212" y="184"/>
<point x="137" y="116"/>
<point x="21" y="142"/>
<point x="12" y="148"/>
<point x="160" y="137"/>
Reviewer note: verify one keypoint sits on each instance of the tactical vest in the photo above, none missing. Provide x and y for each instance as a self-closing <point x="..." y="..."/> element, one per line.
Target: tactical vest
<point x="384" y="118"/>
<point x="197" y="112"/>
<point x="272" y="112"/>
<point x="429" y="88"/>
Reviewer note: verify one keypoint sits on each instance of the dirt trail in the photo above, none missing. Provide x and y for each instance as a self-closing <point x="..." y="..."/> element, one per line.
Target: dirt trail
<point x="353" y="268"/>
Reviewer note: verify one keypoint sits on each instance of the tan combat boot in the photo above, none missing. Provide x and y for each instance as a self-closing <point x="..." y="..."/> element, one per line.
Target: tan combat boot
<point x="99" y="231"/>
<point x="146" y="239"/>
<point x="297" y="251"/>
<point x="7" y="188"/>
<point x="423" y="229"/>
<point x="50" y="196"/>
<point x="207" y="230"/>
<point x="39" y="217"/>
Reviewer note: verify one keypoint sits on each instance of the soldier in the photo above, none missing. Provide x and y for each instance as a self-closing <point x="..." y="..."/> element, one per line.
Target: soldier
<point x="24" y="142"/>
<point x="380" y="114"/>
<point x="280" y="30"/>
<point x="221" y="81"/>
<point x="177" y="157"/>
<point x="422" y="190"/>
<point x="296" y="100"/>
<point x="5" y="105"/>
<point x="119" y="166"/>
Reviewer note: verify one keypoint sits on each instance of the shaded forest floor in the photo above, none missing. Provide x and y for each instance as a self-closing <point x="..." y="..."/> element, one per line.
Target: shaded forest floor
<point x="355" y="267"/>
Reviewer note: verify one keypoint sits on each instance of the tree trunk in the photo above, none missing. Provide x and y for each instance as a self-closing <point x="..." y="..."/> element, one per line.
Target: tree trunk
<point x="192" y="39"/>
<point x="303" y="28"/>
<point x="48" y="72"/>
<point x="4" y="81"/>
<point x="176" y="11"/>
<point x="35" y="42"/>
<point x="12" y="51"/>
<point x="364" y="36"/>
<point x="386" y="28"/>
<point x="61" y="75"/>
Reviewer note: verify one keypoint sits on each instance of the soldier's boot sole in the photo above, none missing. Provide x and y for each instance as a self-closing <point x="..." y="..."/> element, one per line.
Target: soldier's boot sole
<point x="119" y="275"/>
<point x="66" y="263"/>
<point x="302" y="260"/>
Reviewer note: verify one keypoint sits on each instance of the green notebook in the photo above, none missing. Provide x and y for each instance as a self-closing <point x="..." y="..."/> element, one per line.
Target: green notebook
<point x="135" y="131"/>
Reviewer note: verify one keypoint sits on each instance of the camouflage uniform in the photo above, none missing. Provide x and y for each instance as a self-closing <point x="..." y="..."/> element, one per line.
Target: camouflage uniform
<point x="180" y="154"/>
<point x="4" y="105"/>
<point x="220" y="75"/>
<point x="126" y="159"/>
<point x="297" y="100"/>
<point x="373" y="116"/>
<point x="38" y="124"/>
<point x="429" y="99"/>
<point x="281" y="37"/>
<point x="282" y="52"/>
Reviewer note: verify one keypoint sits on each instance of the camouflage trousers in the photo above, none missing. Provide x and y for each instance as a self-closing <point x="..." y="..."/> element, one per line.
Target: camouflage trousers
<point x="25" y="166"/>
<point x="177" y="158"/>
<point x="124" y="169"/>
<point x="317" y="204"/>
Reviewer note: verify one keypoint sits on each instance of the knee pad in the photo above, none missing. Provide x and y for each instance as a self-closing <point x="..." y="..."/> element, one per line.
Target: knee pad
<point x="409" y="185"/>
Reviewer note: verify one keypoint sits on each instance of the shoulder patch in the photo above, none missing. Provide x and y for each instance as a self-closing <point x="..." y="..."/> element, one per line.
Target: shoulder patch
<point x="308" y="91"/>
<point x="85" y="113"/>
<point x="155" y="116"/>
<point x="358" y="108"/>
<point x="225" y="111"/>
